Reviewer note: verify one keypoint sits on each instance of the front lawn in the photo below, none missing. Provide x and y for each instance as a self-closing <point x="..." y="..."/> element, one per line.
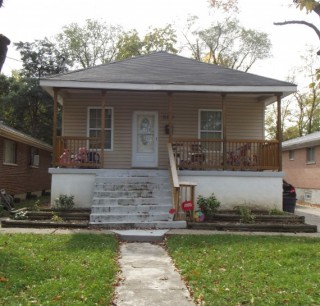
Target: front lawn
<point x="75" y="269"/>
<point x="249" y="270"/>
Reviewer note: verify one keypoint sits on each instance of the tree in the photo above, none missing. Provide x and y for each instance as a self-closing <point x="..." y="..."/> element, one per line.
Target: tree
<point x="4" y="43"/>
<point x="129" y="45"/>
<point x="23" y="103"/>
<point x="309" y="6"/>
<point x="228" y="44"/>
<point x="41" y="58"/>
<point x="225" y="5"/>
<point x="301" y="111"/>
<point x="26" y="107"/>
<point x="160" y="39"/>
<point x="271" y="118"/>
<point x="157" y="39"/>
<point x="92" y="44"/>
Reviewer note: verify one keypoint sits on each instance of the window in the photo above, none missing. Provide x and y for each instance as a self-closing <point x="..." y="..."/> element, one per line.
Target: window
<point x="10" y="152"/>
<point x="311" y="156"/>
<point x="210" y="125"/>
<point x="291" y="155"/>
<point x="94" y="125"/>
<point x="34" y="157"/>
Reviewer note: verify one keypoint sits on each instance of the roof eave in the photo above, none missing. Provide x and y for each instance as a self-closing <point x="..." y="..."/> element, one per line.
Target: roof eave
<point x="25" y="139"/>
<point x="301" y="145"/>
<point x="49" y="84"/>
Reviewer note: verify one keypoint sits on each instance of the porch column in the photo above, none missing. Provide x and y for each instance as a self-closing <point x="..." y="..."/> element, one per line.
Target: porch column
<point x="55" y="125"/>
<point x="103" y="124"/>
<point x="224" y="129"/>
<point x="170" y="116"/>
<point x="279" y="131"/>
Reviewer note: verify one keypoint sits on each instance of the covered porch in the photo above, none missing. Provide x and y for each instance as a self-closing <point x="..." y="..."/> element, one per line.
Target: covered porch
<point x="201" y="123"/>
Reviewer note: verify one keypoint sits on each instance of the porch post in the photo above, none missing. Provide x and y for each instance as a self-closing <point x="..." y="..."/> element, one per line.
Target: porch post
<point x="279" y="131"/>
<point x="103" y="124"/>
<point x="224" y="130"/>
<point x="55" y="124"/>
<point x="170" y="116"/>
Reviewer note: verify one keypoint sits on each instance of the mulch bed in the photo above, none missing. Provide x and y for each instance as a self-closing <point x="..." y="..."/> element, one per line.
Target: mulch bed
<point x="262" y="222"/>
<point x="222" y="221"/>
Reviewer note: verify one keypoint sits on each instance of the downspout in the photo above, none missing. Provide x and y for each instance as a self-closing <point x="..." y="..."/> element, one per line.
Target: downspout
<point x="279" y="131"/>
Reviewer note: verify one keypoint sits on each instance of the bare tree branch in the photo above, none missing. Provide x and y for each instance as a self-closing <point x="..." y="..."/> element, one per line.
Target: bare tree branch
<point x="308" y="24"/>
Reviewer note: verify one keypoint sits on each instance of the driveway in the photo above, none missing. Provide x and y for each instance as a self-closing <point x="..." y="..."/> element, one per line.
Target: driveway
<point x="312" y="214"/>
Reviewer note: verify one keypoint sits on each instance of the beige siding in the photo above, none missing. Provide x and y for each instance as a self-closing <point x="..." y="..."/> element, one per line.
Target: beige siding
<point x="244" y="118"/>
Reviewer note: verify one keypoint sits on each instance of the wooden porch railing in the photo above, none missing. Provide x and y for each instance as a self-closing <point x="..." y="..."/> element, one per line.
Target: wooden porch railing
<point x="77" y="152"/>
<point x="182" y="191"/>
<point x="207" y="154"/>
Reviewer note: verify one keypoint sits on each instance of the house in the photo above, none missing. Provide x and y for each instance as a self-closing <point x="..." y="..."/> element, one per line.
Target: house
<point x="24" y="163"/>
<point x="301" y="168"/>
<point x="198" y="125"/>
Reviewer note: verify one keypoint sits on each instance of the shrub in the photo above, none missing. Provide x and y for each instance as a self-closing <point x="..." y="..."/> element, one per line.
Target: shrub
<point x="208" y="205"/>
<point x="56" y="218"/>
<point x="245" y="213"/>
<point x="64" y="202"/>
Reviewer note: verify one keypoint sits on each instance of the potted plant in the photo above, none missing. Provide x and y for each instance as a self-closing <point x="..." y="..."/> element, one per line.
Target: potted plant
<point x="208" y="205"/>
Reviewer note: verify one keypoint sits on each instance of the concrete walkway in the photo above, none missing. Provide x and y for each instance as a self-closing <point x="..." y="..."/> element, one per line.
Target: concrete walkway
<point x="149" y="278"/>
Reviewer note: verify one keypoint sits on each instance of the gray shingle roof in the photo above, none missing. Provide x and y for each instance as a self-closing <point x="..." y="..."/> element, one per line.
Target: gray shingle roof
<point x="302" y="142"/>
<point x="167" y="69"/>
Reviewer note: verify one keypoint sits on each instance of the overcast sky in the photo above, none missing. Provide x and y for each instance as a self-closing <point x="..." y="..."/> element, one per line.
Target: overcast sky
<point x="22" y="20"/>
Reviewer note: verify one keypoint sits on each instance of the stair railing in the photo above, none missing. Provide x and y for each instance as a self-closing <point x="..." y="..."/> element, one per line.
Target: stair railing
<point x="174" y="179"/>
<point x="182" y="191"/>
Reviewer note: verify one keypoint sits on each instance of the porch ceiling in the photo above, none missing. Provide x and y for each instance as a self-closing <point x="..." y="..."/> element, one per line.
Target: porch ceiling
<point x="255" y="97"/>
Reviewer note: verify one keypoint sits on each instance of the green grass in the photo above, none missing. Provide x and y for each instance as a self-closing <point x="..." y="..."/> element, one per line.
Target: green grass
<point x="248" y="270"/>
<point x="75" y="269"/>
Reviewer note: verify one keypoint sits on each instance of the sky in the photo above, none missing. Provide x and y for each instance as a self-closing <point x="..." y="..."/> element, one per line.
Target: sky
<point x="22" y="20"/>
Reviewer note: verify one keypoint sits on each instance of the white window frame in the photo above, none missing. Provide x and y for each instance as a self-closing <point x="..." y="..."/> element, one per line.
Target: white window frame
<point x="291" y="154"/>
<point x="34" y="157"/>
<point x="311" y="160"/>
<point x="199" y="122"/>
<point x="106" y="129"/>
<point x="10" y="160"/>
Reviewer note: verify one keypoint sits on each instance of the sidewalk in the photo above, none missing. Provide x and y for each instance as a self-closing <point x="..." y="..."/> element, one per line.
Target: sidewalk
<point x="149" y="278"/>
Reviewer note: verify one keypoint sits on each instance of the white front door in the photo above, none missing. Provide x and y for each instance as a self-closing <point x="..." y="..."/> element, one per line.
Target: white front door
<point x="145" y="139"/>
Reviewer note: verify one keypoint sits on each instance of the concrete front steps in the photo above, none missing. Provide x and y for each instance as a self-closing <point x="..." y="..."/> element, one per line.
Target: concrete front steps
<point x="133" y="199"/>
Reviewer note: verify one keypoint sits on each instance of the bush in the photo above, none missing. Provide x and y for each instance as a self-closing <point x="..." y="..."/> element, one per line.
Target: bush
<point x="64" y="202"/>
<point x="208" y="205"/>
<point x="245" y="213"/>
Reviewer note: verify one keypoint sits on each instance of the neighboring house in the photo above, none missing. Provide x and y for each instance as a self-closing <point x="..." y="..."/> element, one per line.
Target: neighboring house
<point x="301" y="166"/>
<point x="201" y="123"/>
<point x="24" y="163"/>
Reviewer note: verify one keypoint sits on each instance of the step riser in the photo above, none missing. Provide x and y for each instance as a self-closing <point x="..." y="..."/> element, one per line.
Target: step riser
<point x="130" y="209"/>
<point x="131" y="194"/>
<point x="132" y="187"/>
<point x="133" y="173"/>
<point x="130" y="202"/>
<point x="131" y="180"/>
<point x="144" y="225"/>
<point x="128" y="218"/>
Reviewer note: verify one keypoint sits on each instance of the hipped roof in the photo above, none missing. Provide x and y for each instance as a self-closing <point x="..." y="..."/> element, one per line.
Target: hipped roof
<point x="161" y="71"/>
